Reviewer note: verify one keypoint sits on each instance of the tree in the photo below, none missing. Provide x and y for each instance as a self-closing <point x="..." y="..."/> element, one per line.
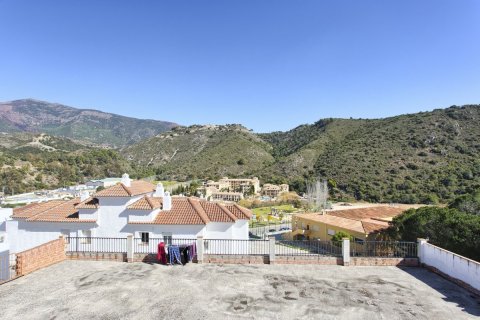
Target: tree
<point x="444" y="227"/>
<point x="469" y="203"/>
<point x="338" y="237"/>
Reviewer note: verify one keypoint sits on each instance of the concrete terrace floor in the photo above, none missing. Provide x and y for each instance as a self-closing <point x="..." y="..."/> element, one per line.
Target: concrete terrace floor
<point x="112" y="290"/>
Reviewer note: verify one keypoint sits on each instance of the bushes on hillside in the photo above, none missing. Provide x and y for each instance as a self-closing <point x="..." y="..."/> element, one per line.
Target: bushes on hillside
<point x="448" y="228"/>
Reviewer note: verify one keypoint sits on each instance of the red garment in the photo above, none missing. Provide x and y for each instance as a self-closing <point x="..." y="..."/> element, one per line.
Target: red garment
<point x="162" y="255"/>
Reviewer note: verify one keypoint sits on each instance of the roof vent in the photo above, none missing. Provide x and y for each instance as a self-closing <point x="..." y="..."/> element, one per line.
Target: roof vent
<point x="167" y="202"/>
<point x="126" y="181"/>
<point x="84" y="195"/>
<point x="159" y="191"/>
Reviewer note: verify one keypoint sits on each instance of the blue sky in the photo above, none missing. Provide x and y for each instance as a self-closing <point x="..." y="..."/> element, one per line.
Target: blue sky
<point x="270" y="65"/>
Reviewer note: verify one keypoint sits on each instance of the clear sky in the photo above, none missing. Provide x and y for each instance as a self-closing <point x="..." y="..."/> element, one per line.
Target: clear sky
<point x="270" y="65"/>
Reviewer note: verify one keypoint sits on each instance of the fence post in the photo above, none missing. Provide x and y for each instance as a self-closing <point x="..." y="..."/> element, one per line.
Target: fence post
<point x="420" y="243"/>
<point x="130" y="248"/>
<point x="346" y="251"/>
<point x="200" y="249"/>
<point x="272" y="250"/>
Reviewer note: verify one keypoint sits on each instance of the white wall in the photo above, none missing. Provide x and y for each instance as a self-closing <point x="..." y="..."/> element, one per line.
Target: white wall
<point x="25" y="235"/>
<point x="219" y="230"/>
<point x="240" y="230"/>
<point x="451" y="264"/>
<point x="113" y="216"/>
<point x="88" y="214"/>
<point x="142" y="215"/>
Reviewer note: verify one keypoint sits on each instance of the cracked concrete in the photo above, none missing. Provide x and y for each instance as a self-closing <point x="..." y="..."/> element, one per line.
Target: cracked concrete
<point x="112" y="290"/>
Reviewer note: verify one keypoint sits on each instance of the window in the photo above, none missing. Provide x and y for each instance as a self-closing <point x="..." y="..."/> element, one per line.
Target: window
<point x="145" y="237"/>
<point x="359" y="241"/>
<point x="86" y="236"/>
<point x="66" y="235"/>
<point x="167" y="238"/>
<point x="331" y="232"/>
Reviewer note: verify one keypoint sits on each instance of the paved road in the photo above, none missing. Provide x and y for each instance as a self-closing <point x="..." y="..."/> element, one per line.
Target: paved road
<point x="112" y="290"/>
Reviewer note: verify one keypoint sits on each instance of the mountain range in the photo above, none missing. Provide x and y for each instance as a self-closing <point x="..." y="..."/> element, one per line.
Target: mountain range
<point x="426" y="157"/>
<point x="85" y="125"/>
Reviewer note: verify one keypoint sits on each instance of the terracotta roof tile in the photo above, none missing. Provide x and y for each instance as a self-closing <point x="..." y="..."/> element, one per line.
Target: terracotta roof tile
<point x="146" y="203"/>
<point x="363" y="220"/>
<point x="193" y="211"/>
<point x="136" y="188"/>
<point x="34" y="208"/>
<point x="380" y="212"/>
<point x="216" y="212"/>
<point x="240" y="212"/>
<point x="90" y="203"/>
<point x="64" y="212"/>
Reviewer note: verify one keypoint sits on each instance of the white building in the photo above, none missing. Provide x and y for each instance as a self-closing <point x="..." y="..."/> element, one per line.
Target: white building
<point x="130" y="207"/>
<point x="107" y="182"/>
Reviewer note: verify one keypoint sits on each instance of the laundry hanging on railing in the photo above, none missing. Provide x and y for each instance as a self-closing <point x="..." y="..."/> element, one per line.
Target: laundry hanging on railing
<point x="174" y="255"/>
<point x="162" y="255"/>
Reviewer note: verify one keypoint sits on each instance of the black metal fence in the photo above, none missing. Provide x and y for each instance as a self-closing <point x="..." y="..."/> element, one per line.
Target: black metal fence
<point x="96" y="245"/>
<point x="151" y="246"/>
<point x="237" y="247"/>
<point x="8" y="264"/>
<point x="384" y="249"/>
<point x="260" y="231"/>
<point x="247" y="247"/>
<point x="307" y="248"/>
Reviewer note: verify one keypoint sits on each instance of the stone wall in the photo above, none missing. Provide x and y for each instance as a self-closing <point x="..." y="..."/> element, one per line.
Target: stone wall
<point x="400" y="262"/>
<point x="40" y="257"/>
<point x="119" y="257"/>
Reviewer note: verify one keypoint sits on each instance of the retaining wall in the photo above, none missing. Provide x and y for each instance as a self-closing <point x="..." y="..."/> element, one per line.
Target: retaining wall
<point x="40" y="257"/>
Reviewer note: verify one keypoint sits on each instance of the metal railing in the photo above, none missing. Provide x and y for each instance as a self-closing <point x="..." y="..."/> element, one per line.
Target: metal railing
<point x="261" y="230"/>
<point x="151" y="247"/>
<point x="8" y="263"/>
<point x="96" y="245"/>
<point x="307" y="248"/>
<point x="237" y="247"/>
<point x="384" y="249"/>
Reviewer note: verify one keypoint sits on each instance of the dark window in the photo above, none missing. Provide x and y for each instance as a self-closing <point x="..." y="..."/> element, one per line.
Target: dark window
<point x="145" y="237"/>
<point x="167" y="239"/>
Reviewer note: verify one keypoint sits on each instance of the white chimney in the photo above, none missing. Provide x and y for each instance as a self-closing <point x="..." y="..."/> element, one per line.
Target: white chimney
<point x="159" y="191"/>
<point x="84" y="195"/>
<point x="167" y="201"/>
<point x="126" y="180"/>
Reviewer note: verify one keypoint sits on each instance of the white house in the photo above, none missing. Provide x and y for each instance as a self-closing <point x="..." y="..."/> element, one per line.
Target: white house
<point x="130" y="207"/>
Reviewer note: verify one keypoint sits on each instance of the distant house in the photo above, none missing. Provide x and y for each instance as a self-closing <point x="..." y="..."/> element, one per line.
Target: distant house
<point x="129" y="207"/>
<point x="361" y="223"/>
<point x="226" y="196"/>
<point x="273" y="190"/>
<point x="105" y="183"/>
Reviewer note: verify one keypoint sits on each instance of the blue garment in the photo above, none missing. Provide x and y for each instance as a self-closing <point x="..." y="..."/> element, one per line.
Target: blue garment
<point x="174" y="255"/>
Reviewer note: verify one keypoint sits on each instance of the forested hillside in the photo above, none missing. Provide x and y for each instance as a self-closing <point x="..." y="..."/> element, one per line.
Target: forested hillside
<point x="85" y="125"/>
<point x="425" y="157"/>
<point x="428" y="157"/>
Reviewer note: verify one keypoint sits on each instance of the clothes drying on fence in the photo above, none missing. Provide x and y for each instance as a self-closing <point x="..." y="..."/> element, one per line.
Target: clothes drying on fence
<point x="162" y="255"/>
<point x="192" y="251"/>
<point x="174" y="255"/>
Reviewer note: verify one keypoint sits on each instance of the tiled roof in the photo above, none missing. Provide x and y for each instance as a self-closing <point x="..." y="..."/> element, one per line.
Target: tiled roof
<point x="90" y="203"/>
<point x="240" y="212"/>
<point x="53" y="211"/>
<point x="136" y="188"/>
<point x="32" y="209"/>
<point x="217" y="212"/>
<point x="146" y="203"/>
<point x="348" y="224"/>
<point x="364" y="220"/>
<point x="380" y="212"/>
<point x="194" y="211"/>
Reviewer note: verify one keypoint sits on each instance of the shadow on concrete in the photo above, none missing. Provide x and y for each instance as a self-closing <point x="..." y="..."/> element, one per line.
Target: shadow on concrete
<point x="451" y="292"/>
